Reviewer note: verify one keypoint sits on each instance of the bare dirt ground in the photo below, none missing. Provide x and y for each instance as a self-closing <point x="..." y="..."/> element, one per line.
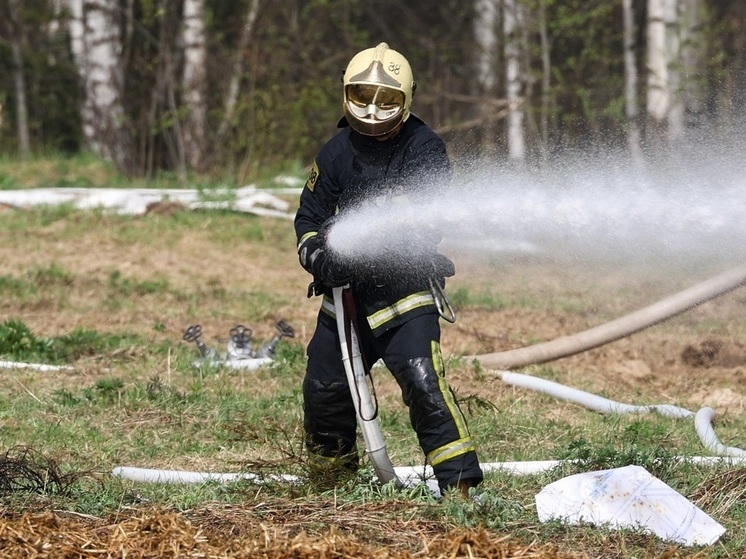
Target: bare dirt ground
<point x="695" y="359"/>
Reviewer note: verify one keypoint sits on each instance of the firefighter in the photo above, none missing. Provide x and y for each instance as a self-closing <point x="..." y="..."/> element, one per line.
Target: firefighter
<point x="382" y="153"/>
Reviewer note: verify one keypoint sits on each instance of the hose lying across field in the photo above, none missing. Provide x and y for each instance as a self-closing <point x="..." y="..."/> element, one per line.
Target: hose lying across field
<point x="540" y="353"/>
<point x="616" y="329"/>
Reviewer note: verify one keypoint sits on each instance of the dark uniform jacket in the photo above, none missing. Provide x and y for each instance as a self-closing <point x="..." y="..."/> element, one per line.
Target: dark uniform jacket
<point x="352" y="168"/>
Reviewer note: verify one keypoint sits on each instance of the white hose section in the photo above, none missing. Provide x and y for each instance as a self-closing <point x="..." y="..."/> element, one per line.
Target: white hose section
<point x="586" y="399"/>
<point x="249" y="364"/>
<point x="33" y="366"/>
<point x="410" y="476"/>
<point x="367" y="418"/>
<point x="148" y="475"/>
<point x="702" y="419"/>
<point x="703" y="424"/>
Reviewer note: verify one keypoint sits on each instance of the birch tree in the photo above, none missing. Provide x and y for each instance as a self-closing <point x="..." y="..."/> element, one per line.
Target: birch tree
<point x="163" y="115"/>
<point x="19" y="79"/>
<point x="664" y="79"/>
<point x="97" y="48"/>
<point x="194" y="83"/>
<point x="632" y="110"/>
<point x="692" y="60"/>
<point x="675" y="115"/>
<point x="247" y="32"/>
<point x="658" y="93"/>
<point x="514" y="79"/>
<point x="55" y="25"/>
<point x="546" y="76"/>
<point x="486" y="20"/>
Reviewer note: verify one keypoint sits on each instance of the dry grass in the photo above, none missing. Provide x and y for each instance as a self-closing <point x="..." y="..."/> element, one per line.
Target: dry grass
<point x="267" y="531"/>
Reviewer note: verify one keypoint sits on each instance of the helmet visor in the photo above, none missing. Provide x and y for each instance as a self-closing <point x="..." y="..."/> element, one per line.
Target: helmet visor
<point x="376" y="102"/>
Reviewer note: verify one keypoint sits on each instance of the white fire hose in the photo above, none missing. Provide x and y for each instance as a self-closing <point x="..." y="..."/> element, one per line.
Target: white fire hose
<point x="702" y="419"/>
<point x="408" y="476"/>
<point x="367" y="416"/>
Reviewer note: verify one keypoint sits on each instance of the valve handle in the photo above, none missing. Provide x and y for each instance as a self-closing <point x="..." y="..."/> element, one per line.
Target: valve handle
<point x="285" y="330"/>
<point x="192" y="333"/>
<point x="240" y="335"/>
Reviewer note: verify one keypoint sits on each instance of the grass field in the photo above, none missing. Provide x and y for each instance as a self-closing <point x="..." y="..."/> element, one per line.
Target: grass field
<point x="110" y="297"/>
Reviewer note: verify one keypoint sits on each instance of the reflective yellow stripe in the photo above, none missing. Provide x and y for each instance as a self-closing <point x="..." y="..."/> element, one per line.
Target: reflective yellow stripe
<point x="451" y="450"/>
<point x="446" y="391"/>
<point x="464" y="444"/>
<point x="305" y="237"/>
<point x="414" y="301"/>
<point x="327" y="306"/>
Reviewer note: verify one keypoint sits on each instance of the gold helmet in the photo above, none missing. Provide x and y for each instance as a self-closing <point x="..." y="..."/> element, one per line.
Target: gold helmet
<point x="378" y="90"/>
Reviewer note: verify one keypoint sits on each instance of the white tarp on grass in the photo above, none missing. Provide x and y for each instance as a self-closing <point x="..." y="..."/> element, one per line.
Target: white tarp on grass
<point x="628" y="497"/>
<point x="138" y="201"/>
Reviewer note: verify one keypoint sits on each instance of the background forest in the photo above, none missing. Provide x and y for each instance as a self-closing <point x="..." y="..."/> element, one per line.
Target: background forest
<point x="230" y="87"/>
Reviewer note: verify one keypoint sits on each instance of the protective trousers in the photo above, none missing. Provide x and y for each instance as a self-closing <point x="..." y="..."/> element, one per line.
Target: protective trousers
<point x="411" y="351"/>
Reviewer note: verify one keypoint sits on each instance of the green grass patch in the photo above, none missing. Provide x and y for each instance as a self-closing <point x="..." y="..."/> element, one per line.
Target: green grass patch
<point x="19" y="343"/>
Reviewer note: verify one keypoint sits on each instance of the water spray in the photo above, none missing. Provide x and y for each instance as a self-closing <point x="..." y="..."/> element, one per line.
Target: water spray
<point x="577" y="212"/>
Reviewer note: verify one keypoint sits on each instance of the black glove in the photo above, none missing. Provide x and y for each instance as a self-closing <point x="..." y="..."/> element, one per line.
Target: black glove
<point x="309" y="252"/>
<point x="443" y="266"/>
<point x="331" y="271"/>
<point x="325" y="266"/>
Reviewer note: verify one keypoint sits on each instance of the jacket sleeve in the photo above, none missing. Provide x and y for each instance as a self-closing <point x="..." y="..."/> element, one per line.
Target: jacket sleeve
<point x="318" y="200"/>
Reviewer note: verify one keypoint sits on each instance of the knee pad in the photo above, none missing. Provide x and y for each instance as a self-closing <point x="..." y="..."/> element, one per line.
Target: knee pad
<point x="426" y="393"/>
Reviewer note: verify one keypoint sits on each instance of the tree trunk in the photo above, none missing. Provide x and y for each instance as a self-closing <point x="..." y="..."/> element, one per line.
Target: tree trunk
<point x="692" y="61"/>
<point x="19" y="80"/>
<point x="57" y="12"/>
<point x="127" y="33"/>
<point x="546" y="76"/>
<point x="664" y="76"/>
<point x="96" y="46"/>
<point x="233" y="89"/>
<point x="486" y="38"/>
<point x="163" y="123"/>
<point x="514" y="79"/>
<point x="738" y="63"/>
<point x="658" y="101"/>
<point x="194" y="83"/>
<point x="673" y="61"/>
<point x="630" y="82"/>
